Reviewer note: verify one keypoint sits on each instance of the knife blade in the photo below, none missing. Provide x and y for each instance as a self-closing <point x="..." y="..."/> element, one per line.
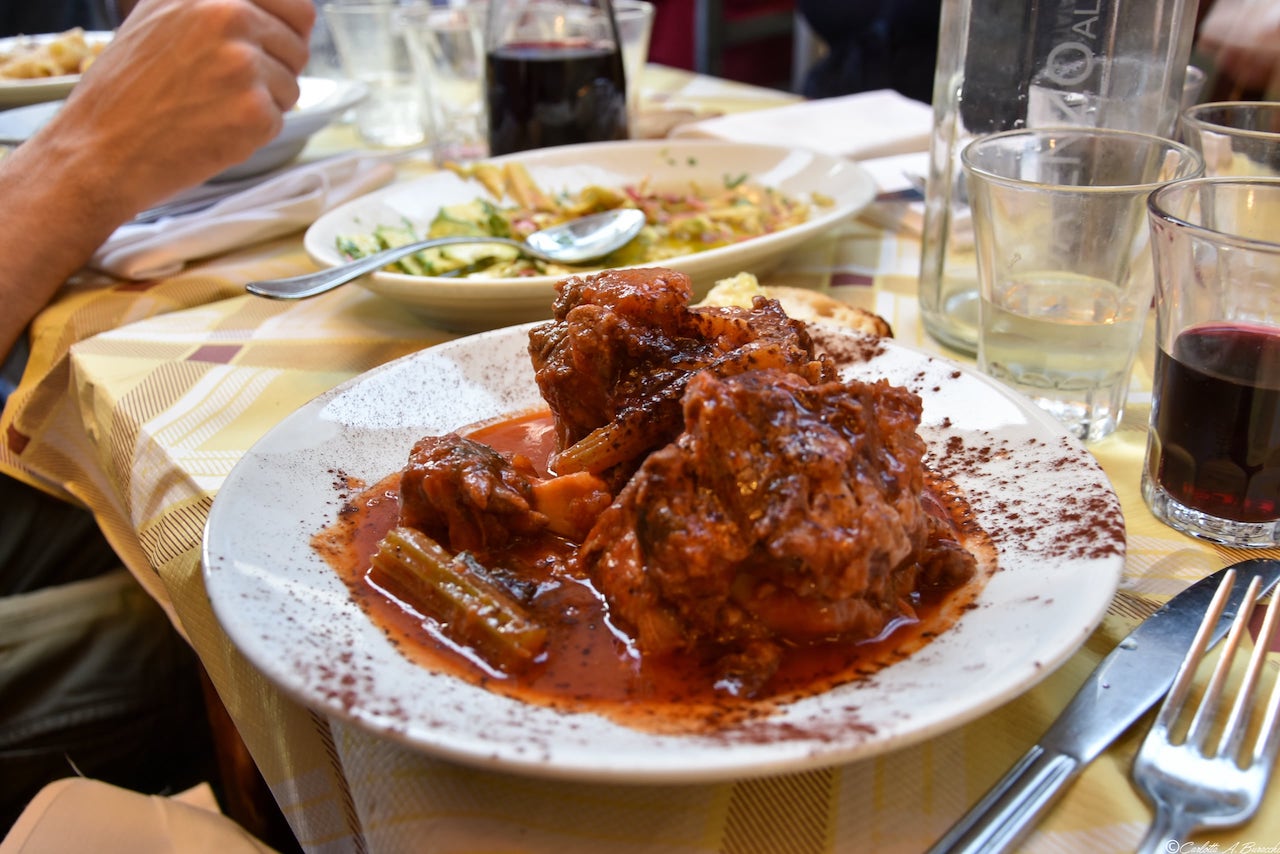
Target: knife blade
<point x="1128" y="682"/>
<point x="202" y="197"/>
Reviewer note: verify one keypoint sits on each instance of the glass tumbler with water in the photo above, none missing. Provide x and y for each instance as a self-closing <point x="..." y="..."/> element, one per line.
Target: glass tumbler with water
<point x="1064" y="263"/>
<point x="370" y="44"/>
<point x="1235" y="137"/>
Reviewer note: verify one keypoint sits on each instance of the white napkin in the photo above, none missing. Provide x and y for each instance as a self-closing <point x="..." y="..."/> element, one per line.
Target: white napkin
<point x="868" y="124"/>
<point x="899" y="202"/>
<point x="280" y="205"/>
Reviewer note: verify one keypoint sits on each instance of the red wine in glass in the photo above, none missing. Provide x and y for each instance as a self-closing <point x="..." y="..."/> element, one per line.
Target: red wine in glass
<point x="542" y="94"/>
<point x="1216" y="421"/>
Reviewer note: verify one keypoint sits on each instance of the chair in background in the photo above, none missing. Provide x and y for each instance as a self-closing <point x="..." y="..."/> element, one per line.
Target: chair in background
<point x="767" y="28"/>
<point x="762" y="42"/>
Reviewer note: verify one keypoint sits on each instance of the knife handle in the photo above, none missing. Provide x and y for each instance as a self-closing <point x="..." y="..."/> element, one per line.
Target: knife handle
<point x="1012" y="806"/>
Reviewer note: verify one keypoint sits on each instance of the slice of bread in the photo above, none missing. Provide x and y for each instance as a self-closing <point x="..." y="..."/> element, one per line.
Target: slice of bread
<point x="799" y="303"/>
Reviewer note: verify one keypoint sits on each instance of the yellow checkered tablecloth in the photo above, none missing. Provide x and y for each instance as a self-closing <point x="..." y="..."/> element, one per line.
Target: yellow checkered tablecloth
<point x="139" y="399"/>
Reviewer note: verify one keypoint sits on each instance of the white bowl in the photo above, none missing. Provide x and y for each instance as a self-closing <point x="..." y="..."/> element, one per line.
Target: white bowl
<point x="475" y="304"/>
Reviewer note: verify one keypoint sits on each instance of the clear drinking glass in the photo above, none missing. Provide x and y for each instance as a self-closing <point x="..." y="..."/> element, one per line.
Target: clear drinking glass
<point x="1235" y="137"/>
<point x="1063" y="262"/>
<point x="635" y="26"/>
<point x="553" y="74"/>
<point x="372" y="49"/>
<point x="446" y="44"/>
<point x="1213" y="451"/>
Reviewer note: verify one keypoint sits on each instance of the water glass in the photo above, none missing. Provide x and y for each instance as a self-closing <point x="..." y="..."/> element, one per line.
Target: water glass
<point x="1213" y="453"/>
<point x="635" y="27"/>
<point x="446" y="46"/>
<point x="1064" y="269"/>
<point x="1235" y="137"/>
<point x="373" y="51"/>
<point x="1192" y="86"/>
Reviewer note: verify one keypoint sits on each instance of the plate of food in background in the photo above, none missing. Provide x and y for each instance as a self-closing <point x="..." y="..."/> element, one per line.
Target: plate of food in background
<point x="713" y="209"/>
<point x="680" y="636"/>
<point x="39" y="68"/>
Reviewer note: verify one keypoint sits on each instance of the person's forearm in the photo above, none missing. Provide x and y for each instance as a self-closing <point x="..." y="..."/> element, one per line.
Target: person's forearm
<point x="184" y="90"/>
<point x="55" y="210"/>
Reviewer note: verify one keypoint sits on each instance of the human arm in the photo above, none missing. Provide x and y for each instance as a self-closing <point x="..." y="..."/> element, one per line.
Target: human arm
<point x="186" y="89"/>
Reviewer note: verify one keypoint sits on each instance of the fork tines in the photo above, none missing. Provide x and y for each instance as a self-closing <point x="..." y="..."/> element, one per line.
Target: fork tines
<point x="1237" y="724"/>
<point x="1192" y="783"/>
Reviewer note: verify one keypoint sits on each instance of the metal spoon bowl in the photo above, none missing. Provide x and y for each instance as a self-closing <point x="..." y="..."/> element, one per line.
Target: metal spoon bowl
<point x="574" y="242"/>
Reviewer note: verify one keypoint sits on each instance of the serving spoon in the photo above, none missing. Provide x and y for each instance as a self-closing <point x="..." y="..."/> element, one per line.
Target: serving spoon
<point x="574" y="242"/>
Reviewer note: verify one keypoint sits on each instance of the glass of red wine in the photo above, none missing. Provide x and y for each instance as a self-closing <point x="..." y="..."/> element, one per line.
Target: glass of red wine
<point x="553" y="74"/>
<point x="1213" y="452"/>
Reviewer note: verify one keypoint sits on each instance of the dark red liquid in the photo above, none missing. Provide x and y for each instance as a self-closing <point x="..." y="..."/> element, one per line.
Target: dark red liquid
<point x="1217" y="421"/>
<point x="544" y="94"/>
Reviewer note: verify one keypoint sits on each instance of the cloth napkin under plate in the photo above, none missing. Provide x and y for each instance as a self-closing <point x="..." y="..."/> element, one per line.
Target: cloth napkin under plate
<point x="283" y="204"/>
<point x="864" y="125"/>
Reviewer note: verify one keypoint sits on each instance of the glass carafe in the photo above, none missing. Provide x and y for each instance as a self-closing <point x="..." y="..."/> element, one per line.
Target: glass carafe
<point x="553" y="74"/>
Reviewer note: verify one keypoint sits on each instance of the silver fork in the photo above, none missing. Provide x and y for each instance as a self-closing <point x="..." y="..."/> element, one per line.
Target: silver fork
<point x="1192" y="784"/>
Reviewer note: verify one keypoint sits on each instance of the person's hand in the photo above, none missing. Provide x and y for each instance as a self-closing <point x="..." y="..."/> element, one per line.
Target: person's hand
<point x="186" y="89"/>
<point x="1243" y="38"/>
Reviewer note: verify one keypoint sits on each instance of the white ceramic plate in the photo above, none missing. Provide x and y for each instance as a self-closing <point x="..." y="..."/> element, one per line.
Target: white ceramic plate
<point x="472" y="305"/>
<point x="1050" y="509"/>
<point x="17" y="93"/>
<point x="320" y="101"/>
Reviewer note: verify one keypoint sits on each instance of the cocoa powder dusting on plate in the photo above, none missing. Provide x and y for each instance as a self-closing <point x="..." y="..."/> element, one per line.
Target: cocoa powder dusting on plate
<point x="1085" y="523"/>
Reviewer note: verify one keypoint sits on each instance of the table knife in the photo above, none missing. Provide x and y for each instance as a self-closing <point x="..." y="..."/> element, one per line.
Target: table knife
<point x="199" y="198"/>
<point x="1128" y="682"/>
